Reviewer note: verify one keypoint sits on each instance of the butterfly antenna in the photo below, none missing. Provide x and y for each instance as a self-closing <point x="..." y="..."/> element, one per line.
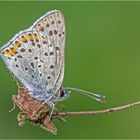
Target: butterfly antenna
<point x="98" y="97"/>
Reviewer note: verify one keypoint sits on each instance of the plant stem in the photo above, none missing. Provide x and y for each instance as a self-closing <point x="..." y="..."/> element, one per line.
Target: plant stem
<point x="58" y="114"/>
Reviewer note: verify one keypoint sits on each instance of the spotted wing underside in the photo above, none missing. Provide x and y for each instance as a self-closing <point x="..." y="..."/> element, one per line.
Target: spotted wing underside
<point x="36" y="55"/>
<point x="52" y="26"/>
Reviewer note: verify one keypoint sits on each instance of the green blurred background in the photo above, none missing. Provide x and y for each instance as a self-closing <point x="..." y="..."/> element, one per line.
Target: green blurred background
<point x="102" y="55"/>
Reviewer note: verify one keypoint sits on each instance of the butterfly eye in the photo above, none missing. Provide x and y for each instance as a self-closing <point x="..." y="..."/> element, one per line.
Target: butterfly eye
<point x="61" y="94"/>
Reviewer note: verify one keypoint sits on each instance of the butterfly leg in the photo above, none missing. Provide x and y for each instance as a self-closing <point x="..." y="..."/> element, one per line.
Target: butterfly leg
<point x="13" y="99"/>
<point x="14" y="105"/>
<point x="52" y="105"/>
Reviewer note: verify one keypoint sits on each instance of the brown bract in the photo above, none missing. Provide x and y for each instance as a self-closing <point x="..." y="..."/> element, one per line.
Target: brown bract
<point x="33" y="110"/>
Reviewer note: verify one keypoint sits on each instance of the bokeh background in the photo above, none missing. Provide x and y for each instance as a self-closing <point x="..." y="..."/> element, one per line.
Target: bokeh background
<point x="102" y="55"/>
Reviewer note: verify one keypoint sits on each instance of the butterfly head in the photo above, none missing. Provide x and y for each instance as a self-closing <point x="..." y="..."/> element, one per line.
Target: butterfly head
<point x="63" y="94"/>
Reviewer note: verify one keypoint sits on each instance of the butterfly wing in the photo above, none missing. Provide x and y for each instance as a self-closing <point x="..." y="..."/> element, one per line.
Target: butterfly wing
<point x="36" y="55"/>
<point x="19" y="56"/>
<point x="52" y="27"/>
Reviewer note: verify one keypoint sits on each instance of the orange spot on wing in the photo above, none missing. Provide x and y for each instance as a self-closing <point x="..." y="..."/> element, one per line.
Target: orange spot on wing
<point x="36" y="37"/>
<point x="23" y="38"/>
<point x="7" y="53"/>
<point x="39" y="27"/>
<point x="13" y="50"/>
<point x="30" y="37"/>
<point x="17" y="44"/>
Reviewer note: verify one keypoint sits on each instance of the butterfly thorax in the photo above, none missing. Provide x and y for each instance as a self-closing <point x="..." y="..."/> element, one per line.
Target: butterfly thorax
<point x="42" y="95"/>
<point x="49" y="95"/>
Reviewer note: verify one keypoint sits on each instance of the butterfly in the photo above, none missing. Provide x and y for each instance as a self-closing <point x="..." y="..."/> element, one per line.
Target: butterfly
<point x="36" y="55"/>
